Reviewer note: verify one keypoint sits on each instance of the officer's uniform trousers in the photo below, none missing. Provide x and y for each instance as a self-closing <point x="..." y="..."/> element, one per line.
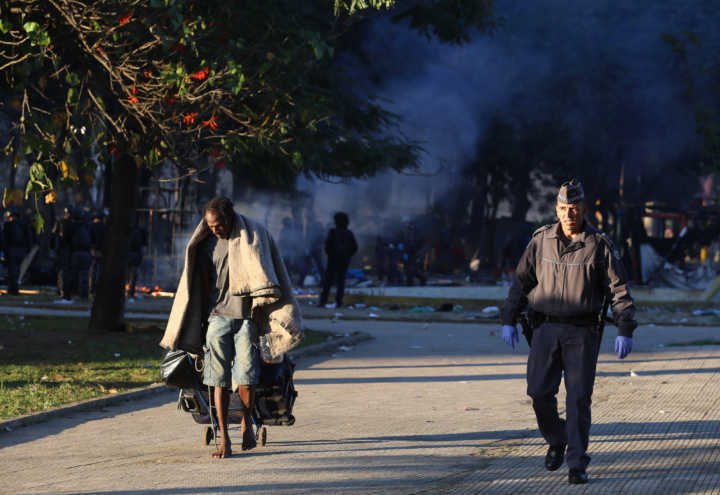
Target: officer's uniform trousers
<point x="563" y="349"/>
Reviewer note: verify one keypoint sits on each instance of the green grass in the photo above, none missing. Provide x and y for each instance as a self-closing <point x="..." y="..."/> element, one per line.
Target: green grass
<point x="47" y="362"/>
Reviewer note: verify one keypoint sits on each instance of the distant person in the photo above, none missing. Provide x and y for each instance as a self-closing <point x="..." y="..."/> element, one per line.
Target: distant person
<point x="16" y="243"/>
<point x="97" y="237"/>
<point x="412" y="244"/>
<point x="63" y="233"/>
<point x="291" y="248"/>
<point x="138" y="241"/>
<point x="382" y="259"/>
<point x="232" y="272"/>
<point x="314" y="252"/>
<point x="80" y="258"/>
<point x="340" y="246"/>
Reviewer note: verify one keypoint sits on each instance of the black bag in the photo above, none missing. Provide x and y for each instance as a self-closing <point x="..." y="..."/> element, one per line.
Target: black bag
<point x="275" y="394"/>
<point x="178" y="370"/>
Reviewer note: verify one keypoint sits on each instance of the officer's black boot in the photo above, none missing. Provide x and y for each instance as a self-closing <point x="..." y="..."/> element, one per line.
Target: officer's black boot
<point x="577" y="477"/>
<point x="554" y="457"/>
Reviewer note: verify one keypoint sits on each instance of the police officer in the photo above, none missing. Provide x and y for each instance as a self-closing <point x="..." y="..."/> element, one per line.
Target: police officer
<point x="566" y="271"/>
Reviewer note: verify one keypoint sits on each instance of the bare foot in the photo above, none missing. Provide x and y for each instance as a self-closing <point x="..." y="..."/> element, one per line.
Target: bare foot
<point x="224" y="451"/>
<point x="249" y="441"/>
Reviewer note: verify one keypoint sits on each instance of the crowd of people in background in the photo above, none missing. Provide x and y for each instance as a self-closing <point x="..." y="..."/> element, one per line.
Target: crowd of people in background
<point x="73" y="251"/>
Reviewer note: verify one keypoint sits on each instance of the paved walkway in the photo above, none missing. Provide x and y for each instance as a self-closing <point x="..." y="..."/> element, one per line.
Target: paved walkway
<point x="422" y="409"/>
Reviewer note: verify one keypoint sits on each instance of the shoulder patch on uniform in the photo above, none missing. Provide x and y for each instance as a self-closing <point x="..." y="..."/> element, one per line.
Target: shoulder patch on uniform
<point x="542" y="229"/>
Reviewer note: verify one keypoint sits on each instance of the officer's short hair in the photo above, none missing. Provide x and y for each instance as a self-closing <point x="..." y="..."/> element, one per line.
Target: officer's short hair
<point x="571" y="192"/>
<point x="222" y="208"/>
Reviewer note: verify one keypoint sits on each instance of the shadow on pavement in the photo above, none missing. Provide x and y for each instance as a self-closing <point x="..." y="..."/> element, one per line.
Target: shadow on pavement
<point x="55" y="425"/>
<point x="496" y="376"/>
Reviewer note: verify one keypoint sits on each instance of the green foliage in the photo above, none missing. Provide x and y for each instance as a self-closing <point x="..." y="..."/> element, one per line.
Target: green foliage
<point x="196" y="81"/>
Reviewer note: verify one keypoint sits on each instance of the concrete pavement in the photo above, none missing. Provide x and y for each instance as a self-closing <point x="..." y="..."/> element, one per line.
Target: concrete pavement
<point x="423" y="408"/>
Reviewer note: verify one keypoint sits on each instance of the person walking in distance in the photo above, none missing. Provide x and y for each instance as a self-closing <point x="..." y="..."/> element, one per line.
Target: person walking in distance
<point x="340" y="246"/>
<point x="567" y="275"/>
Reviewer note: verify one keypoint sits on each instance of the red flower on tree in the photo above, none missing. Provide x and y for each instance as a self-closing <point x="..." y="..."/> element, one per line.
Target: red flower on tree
<point x="133" y="99"/>
<point x="201" y="74"/>
<point x="211" y="123"/>
<point x="189" y="118"/>
<point x="125" y="18"/>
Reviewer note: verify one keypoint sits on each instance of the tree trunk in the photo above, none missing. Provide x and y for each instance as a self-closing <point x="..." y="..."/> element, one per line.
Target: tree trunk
<point x="109" y="304"/>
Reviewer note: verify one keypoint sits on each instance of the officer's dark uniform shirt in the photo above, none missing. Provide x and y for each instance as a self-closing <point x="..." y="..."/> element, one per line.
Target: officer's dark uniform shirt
<point x="570" y="279"/>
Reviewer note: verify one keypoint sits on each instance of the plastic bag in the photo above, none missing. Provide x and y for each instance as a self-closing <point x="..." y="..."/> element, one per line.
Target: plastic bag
<point x="178" y="369"/>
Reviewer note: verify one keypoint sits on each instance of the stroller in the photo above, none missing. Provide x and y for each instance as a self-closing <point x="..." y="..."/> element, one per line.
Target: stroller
<point x="274" y="399"/>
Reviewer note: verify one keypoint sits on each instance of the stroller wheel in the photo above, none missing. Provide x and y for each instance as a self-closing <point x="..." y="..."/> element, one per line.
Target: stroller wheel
<point x="263" y="436"/>
<point x="208" y="435"/>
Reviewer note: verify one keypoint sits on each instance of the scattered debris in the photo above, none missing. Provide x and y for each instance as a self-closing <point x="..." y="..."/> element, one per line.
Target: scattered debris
<point x="117" y="354"/>
<point x="345" y="348"/>
<point x="422" y="309"/>
<point x="373" y="315"/>
<point x="632" y="373"/>
<point x="360" y="306"/>
<point x="330" y="306"/>
<point x="706" y="312"/>
<point x="491" y="311"/>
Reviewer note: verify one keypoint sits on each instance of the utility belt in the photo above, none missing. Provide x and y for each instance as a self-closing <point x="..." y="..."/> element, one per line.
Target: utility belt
<point x="533" y="319"/>
<point x="581" y="320"/>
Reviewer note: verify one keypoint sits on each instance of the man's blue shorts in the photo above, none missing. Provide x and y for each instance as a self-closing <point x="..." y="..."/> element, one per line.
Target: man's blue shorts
<point x="231" y="353"/>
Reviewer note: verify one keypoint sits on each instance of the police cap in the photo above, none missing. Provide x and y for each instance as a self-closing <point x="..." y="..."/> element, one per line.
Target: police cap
<point x="571" y="192"/>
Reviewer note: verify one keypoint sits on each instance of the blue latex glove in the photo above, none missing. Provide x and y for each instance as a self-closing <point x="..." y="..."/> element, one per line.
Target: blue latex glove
<point x="623" y="346"/>
<point x="510" y="335"/>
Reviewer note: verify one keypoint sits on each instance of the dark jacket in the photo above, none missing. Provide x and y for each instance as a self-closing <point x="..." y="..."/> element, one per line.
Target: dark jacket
<point x="340" y="244"/>
<point x="16" y="238"/>
<point x="570" y="281"/>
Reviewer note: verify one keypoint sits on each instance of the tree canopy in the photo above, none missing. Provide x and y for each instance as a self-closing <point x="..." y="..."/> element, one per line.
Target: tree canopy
<point x="251" y="84"/>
